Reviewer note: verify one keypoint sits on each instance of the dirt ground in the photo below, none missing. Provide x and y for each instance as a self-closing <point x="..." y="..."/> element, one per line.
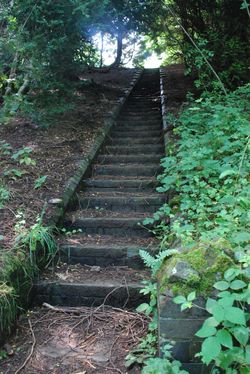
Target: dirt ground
<point x="55" y="150"/>
<point x="74" y="341"/>
<point x="92" y="274"/>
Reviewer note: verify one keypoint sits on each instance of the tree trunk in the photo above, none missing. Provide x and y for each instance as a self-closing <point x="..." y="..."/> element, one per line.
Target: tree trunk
<point x="102" y="47"/>
<point x="117" y="61"/>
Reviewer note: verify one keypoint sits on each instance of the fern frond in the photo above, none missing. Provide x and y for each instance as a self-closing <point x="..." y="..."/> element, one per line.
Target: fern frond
<point x="147" y="258"/>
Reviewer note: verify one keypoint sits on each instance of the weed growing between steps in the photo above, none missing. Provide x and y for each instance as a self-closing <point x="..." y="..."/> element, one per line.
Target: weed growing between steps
<point x="33" y="248"/>
<point x="208" y="168"/>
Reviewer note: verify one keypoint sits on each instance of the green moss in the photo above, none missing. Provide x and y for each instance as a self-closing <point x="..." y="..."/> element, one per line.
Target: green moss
<point x="175" y="201"/>
<point x="209" y="261"/>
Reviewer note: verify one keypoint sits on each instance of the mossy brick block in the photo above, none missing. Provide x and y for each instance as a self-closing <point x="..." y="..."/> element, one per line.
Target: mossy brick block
<point x="196" y="368"/>
<point x="185" y="350"/>
<point x="179" y="329"/>
<point x="209" y="263"/>
<point x="168" y="309"/>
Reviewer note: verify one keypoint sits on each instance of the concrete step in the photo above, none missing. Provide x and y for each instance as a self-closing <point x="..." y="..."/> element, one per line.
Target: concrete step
<point x="141" y="111"/>
<point x="91" y="294"/>
<point x="121" y="185"/>
<point x="129" y="159"/>
<point x="135" y="149"/>
<point x="117" y="202"/>
<point x="140" y="127"/>
<point x="136" y="170"/>
<point x="131" y="141"/>
<point x="132" y="114"/>
<point x="144" y="134"/>
<point x="141" y="105"/>
<point x="142" y="122"/>
<point x="140" y="118"/>
<point x="104" y="251"/>
<point x="121" y="226"/>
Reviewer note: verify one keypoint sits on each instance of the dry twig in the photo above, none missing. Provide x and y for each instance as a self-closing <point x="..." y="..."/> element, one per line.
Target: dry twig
<point x="31" y="351"/>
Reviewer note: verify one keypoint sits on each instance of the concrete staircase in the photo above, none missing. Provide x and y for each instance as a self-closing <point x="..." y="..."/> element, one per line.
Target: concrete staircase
<point x="108" y="208"/>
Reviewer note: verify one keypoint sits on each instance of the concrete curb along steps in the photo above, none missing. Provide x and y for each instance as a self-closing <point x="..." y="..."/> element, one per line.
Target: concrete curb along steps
<point x="84" y="164"/>
<point x="115" y="194"/>
<point x="173" y="325"/>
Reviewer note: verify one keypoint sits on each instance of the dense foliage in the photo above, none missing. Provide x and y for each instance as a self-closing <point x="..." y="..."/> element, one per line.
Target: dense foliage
<point x="44" y="46"/>
<point x="208" y="168"/>
<point x="206" y="175"/>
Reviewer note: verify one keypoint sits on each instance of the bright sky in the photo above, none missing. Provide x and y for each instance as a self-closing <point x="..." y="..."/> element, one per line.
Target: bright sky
<point x="152" y="61"/>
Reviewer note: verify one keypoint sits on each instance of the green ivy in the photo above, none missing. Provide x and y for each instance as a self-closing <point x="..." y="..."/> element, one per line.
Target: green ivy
<point x="225" y="331"/>
<point x="208" y="169"/>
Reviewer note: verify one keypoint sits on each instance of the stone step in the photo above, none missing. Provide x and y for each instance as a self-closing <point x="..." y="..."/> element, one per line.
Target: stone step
<point x="118" y="202"/>
<point x="135" y="149"/>
<point x="134" y="115"/>
<point x="91" y="294"/>
<point x="127" y="159"/>
<point x="121" y="185"/>
<point x="144" y="134"/>
<point x="136" y="170"/>
<point x="140" y="127"/>
<point x="104" y="251"/>
<point x="131" y="141"/>
<point x="143" y="93"/>
<point x="145" y="103"/>
<point x="145" y="122"/>
<point x="121" y="226"/>
<point x="140" y="110"/>
<point x="155" y="119"/>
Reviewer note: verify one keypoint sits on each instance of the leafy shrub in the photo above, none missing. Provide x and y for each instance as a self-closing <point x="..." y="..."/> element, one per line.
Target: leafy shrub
<point x="208" y="168"/>
<point x="225" y="331"/>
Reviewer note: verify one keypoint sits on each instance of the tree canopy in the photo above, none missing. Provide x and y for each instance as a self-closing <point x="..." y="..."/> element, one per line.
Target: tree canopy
<point x="44" y="45"/>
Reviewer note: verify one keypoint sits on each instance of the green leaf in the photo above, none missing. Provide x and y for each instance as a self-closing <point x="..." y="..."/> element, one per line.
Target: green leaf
<point x="224" y="294"/>
<point x="210" y="350"/>
<point x="218" y="312"/>
<point x="245" y="5"/>
<point x="237" y="285"/>
<point x="142" y="307"/>
<point x="191" y="296"/>
<point x="241" y="334"/>
<point x="206" y="331"/>
<point x="179" y="300"/>
<point x="209" y="304"/>
<point x="148" y="221"/>
<point x="186" y="305"/>
<point x="227" y="172"/>
<point x="230" y="274"/>
<point x="248" y="354"/>
<point x="40" y="181"/>
<point x="244" y="370"/>
<point x="235" y="315"/>
<point x="221" y="285"/>
<point x="226" y="301"/>
<point x="242" y="237"/>
<point x="225" y="338"/>
<point x="211" y="321"/>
